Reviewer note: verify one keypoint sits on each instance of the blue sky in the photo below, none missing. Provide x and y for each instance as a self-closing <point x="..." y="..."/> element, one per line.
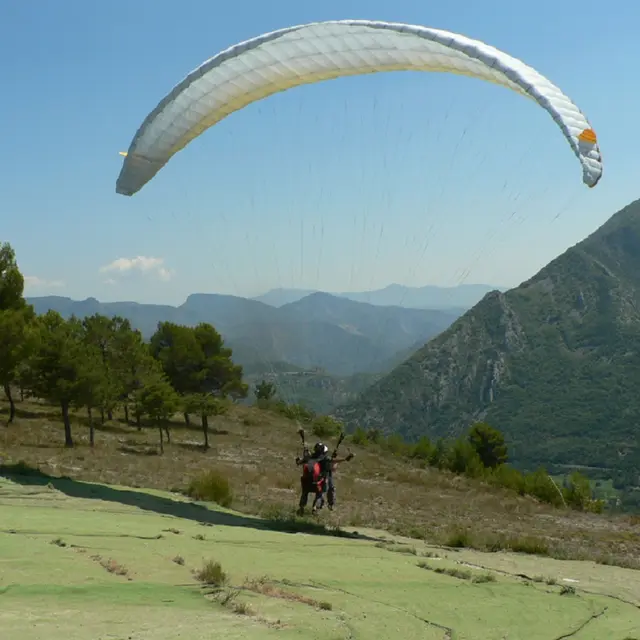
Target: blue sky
<point x="346" y="185"/>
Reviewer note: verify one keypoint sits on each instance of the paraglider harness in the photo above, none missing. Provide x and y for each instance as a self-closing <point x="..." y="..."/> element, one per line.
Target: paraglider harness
<point x="317" y="467"/>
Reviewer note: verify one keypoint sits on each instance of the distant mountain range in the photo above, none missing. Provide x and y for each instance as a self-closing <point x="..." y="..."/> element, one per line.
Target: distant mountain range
<point x="319" y="330"/>
<point x="553" y="363"/>
<point x="463" y="296"/>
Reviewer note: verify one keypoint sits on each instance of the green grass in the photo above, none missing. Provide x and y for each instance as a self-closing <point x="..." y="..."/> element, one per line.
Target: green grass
<point x="379" y="490"/>
<point x="117" y="576"/>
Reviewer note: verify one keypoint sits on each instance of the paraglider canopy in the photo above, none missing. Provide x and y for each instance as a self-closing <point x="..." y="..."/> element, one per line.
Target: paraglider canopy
<point x="304" y="54"/>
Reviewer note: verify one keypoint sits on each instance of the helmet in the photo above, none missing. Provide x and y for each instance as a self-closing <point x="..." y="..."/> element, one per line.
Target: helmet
<point x="320" y="449"/>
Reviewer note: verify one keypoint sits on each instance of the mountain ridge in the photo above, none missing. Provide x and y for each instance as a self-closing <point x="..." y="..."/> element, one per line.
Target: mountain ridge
<point x="424" y="297"/>
<point x="554" y="362"/>
<point x="342" y="336"/>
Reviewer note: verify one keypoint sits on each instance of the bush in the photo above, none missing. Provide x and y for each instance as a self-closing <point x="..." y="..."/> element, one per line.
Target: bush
<point x="326" y="427"/>
<point x="422" y="450"/>
<point x="475" y="468"/>
<point x="396" y="445"/>
<point x="264" y="390"/>
<point x="211" y="486"/>
<point x="540" y="485"/>
<point x="528" y="544"/>
<point x="596" y="506"/>
<point x="439" y="453"/>
<point x="294" y="411"/>
<point x="359" y="437"/>
<point x="578" y="495"/>
<point x="462" y="458"/>
<point x="508" y="477"/>
<point x="212" y="575"/>
<point x="459" y="539"/>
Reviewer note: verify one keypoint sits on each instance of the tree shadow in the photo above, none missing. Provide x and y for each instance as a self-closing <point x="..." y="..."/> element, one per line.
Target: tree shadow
<point x="192" y="446"/>
<point x="110" y="427"/>
<point x="142" y="450"/>
<point x="23" y="474"/>
<point x="46" y="445"/>
<point x="46" y="414"/>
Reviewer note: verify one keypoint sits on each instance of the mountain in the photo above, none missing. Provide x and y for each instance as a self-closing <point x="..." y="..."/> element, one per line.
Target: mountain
<point x="278" y="297"/>
<point x="427" y="297"/>
<point x="388" y="328"/>
<point x="553" y="363"/>
<point x="319" y="331"/>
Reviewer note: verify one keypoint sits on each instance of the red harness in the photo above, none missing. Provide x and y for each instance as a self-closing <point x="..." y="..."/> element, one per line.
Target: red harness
<point x="312" y="476"/>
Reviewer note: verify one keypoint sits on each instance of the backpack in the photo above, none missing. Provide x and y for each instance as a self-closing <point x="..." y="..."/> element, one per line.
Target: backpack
<point x="312" y="476"/>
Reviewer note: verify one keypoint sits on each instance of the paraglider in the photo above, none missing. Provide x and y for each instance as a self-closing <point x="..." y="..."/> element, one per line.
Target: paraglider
<point x="280" y="60"/>
<point x="317" y="473"/>
<point x="304" y="54"/>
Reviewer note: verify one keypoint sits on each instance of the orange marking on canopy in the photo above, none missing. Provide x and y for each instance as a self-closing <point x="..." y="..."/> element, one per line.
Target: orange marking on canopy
<point x="588" y="135"/>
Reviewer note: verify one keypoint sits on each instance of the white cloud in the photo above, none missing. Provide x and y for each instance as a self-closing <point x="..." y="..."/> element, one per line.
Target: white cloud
<point x="34" y="282"/>
<point x="143" y="264"/>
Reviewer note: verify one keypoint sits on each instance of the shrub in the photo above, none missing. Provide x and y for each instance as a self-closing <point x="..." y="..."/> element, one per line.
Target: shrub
<point x="439" y="454"/>
<point x="325" y="427"/>
<point x="540" y="485"/>
<point x="359" y="437"/>
<point x="422" y="450"/>
<point x="528" y="544"/>
<point x="508" y="477"/>
<point x="211" y="486"/>
<point x="459" y="539"/>
<point x="483" y="577"/>
<point x="475" y="468"/>
<point x="264" y="390"/>
<point x="396" y="445"/>
<point x="577" y="492"/>
<point x="596" y="506"/>
<point x="294" y="411"/>
<point x="463" y="458"/>
<point x="212" y="575"/>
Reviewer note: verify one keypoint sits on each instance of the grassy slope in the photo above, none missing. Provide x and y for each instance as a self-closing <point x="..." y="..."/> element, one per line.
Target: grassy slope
<point x="373" y="593"/>
<point x="255" y="449"/>
<point x="365" y="589"/>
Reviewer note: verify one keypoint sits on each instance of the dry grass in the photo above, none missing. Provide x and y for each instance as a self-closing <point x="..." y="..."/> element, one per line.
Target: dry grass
<point x="268" y="588"/>
<point x="461" y="574"/>
<point x="111" y="565"/>
<point x="406" y="549"/>
<point x="255" y="449"/>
